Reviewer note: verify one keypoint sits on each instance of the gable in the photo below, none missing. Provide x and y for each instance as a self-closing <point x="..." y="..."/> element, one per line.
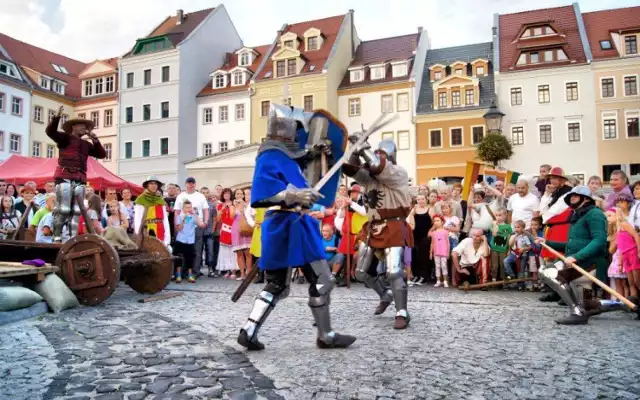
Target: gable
<point x="97" y="68"/>
<point x="312" y="32"/>
<point x="456" y="80"/>
<point x="285" y="52"/>
<point x="288" y="36"/>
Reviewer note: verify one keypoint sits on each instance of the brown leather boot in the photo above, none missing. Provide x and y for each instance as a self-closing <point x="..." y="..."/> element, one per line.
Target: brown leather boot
<point x="382" y="307"/>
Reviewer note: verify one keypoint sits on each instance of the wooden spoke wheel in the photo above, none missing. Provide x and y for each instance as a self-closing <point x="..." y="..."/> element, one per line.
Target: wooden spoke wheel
<point x="150" y="277"/>
<point x="90" y="266"/>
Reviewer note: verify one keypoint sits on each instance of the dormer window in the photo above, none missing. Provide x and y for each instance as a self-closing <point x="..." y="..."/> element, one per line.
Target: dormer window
<point x="312" y="43"/>
<point x="88" y="88"/>
<point x="219" y="81"/>
<point x="458" y="71"/>
<point x="630" y="45"/>
<point x="356" y="76"/>
<point x="480" y="70"/>
<point x="437" y="75"/>
<point x="543" y="56"/>
<point x="45" y="82"/>
<point x="8" y="70"/>
<point x="245" y="59"/>
<point x="58" y="87"/>
<point x="536" y="31"/>
<point x="238" y="78"/>
<point x="377" y="72"/>
<point x="399" y="70"/>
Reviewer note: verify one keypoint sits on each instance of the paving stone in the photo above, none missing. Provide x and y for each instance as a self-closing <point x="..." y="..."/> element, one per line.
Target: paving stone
<point x="109" y="362"/>
<point x="180" y="388"/>
<point x="158" y="387"/>
<point x="105" y="388"/>
<point x="171" y="373"/>
<point x="205" y="382"/>
<point x="243" y="395"/>
<point x="81" y="389"/>
<point x="127" y="387"/>
<point x="110" y="396"/>
<point x="190" y="368"/>
<point x="196" y="374"/>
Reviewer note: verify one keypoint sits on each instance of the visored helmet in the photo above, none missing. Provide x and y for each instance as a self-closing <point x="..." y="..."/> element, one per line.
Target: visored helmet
<point x="389" y="147"/>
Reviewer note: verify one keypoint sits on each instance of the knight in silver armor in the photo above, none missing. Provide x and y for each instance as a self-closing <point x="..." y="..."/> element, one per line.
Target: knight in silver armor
<point x="290" y="237"/>
<point x="386" y="233"/>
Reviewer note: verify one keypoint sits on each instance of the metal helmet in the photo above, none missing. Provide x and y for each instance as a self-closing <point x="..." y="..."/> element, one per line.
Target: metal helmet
<point x="283" y="122"/>
<point x="389" y="147"/>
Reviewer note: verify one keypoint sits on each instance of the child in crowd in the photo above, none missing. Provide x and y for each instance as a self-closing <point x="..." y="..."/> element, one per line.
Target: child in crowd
<point x="440" y="250"/>
<point x="45" y="229"/>
<point x="535" y="231"/>
<point x="185" y="244"/>
<point x="627" y="243"/>
<point x="519" y="244"/>
<point x="407" y="258"/>
<point x="330" y="244"/>
<point x="499" y="243"/>
<point x="616" y="272"/>
<point x="10" y="218"/>
<point x="241" y="239"/>
<point x="114" y="217"/>
<point x="595" y="185"/>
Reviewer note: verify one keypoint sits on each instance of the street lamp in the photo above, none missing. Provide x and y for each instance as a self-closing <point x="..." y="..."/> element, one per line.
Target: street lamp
<point x="493" y="119"/>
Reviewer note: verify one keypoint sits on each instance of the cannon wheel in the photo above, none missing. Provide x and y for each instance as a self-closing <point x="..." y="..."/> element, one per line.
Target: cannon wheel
<point x="155" y="277"/>
<point x="90" y="266"/>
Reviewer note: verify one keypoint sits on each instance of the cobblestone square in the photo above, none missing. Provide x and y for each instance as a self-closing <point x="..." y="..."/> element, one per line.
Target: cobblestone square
<point x="478" y="345"/>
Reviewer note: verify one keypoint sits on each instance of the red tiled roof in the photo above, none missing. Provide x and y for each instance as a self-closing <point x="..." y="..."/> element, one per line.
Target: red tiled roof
<point x="113" y="61"/>
<point x="176" y="32"/>
<point x="563" y="18"/>
<point x="231" y="64"/>
<point x="600" y="24"/>
<point x="41" y="60"/>
<point x="329" y="27"/>
<point x="383" y="50"/>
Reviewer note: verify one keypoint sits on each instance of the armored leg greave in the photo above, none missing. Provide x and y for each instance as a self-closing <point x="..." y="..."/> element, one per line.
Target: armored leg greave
<point x="62" y="209"/>
<point x="549" y="275"/>
<point x="396" y="275"/>
<point x="365" y="256"/>
<point x="78" y="201"/>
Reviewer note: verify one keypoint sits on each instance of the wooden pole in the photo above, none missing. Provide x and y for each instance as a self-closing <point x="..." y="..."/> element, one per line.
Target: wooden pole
<point x="349" y="241"/>
<point x="592" y="278"/>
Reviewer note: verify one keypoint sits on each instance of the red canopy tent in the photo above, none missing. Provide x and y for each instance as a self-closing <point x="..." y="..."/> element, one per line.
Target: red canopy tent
<point x="19" y="170"/>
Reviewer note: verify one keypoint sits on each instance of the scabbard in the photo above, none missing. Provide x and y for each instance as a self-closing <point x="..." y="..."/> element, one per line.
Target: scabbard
<point x="245" y="284"/>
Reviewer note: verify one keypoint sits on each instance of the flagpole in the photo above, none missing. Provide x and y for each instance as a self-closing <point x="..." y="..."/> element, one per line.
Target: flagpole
<point x="349" y="242"/>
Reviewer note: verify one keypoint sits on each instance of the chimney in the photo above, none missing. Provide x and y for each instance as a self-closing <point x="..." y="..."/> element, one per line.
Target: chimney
<point x="419" y="30"/>
<point x="179" y="17"/>
<point x="227" y="58"/>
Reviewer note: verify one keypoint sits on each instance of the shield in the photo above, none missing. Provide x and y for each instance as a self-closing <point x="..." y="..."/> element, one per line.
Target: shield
<point x="322" y="127"/>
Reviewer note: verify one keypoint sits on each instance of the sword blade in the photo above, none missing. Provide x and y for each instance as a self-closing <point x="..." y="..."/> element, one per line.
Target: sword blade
<point x="245" y="284"/>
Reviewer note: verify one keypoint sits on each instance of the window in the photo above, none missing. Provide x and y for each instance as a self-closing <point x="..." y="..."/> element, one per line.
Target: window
<point x="238" y="78"/>
<point x="219" y="81"/>
<point x="239" y="112"/>
<point x="2" y="97"/>
<point x="387" y="103"/>
<point x="164" y="146"/>
<point x="99" y="85"/>
<point x="16" y="106"/>
<point x="51" y="151"/>
<point x="573" y="128"/>
<point x="130" y="80"/>
<point x="545" y="134"/>
<point x="44" y="82"/>
<point x="291" y="66"/>
<point x="354" y="107"/>
<point x="607" y="87"/>
<point x="15" y="143"/>
<point x="165" y="73"/>
<point x="610" y="131"/>
<point x="63" y="119"/>
<point x="207" y="149"/>
<point x="458" y="71"/>
<point x="437" y="75"/>
<point x="456" y="137"/>
<point x="51" y="114"/>
<point x="403" y="101"/>
<point x="544" y="95"/>
<point x="164" y="109"/>
<point x="108" y="150"/>
<point x="404" y="142"/>
<point x="147" y="77"/>
<point x="146" y="112"/>
<point x="605" y="44"/>
<point x="547" y="55"/>
<point x="477" y="134"/>
<point x="108" y="117"/>
<point x="377" y="73"/>
<point x="312" y="43"/>
<point x="455" y="98"/>
<point x="561" y="55"/>
<point x="37" y="114"/>
<point x="517" y="136"/>
<point x="244" y="58"/>
<point x="522" y="59"/>
<point x="607" y="170"/>
<point x="129" y="115"/>
<point x="435" y="138"/>
<point x="207" y="116"/>
<point x="223" y="146"/>
<point x="534" y="58"/>
<point x="399" y="70"/>
<point x="308" y="103"/>
<point x="280" y="65"/>
<point x="264" y="108"/>
<point x="356" y="76"/>
<point x="516" y="96"/>
<point x="633" y="127"/>
<point x="35" y="151"/>
<point x="631" y="45"/>
<point x="108" y="84"/>
<point x="442" y="99"/>
<point x="128" y="150"/>
<point x="95" y="118"/>
<point x="387" y="136"/>
<point x="238" y="143"/>
<point x="223" y="114"/>
<point x="480" y="70"/>
<point x="470" y="97"/>
<point x="288" y="43"/>
<point x="146" y="148"/>
<point x="630" y="85"/>
<point x="572" y="91"/>
<point x="58" y="87"/>
<point x="634" y="169"/>
<point x="88" y="88"/>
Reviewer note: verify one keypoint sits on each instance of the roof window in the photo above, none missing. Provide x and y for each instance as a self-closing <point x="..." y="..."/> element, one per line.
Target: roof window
<point x="605" y="44"/>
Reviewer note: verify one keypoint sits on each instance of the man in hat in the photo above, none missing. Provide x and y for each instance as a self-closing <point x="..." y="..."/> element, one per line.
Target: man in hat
<point x="586" y="245"/>
<point x="71" y="174"/>
<point x="156" y="217"/>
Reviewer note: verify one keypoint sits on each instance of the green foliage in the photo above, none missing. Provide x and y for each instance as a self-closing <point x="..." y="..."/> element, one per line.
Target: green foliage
<point x="494" y="148"/>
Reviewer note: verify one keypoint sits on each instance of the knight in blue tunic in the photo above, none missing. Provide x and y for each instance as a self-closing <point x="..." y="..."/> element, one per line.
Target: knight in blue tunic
<point x="290" y="237"/>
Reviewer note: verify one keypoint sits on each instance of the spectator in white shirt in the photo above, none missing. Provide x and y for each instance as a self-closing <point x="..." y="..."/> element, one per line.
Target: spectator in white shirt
<point x="469" y="259"/>
<point x="200" y="207"/>
<point x="523" y="206"/>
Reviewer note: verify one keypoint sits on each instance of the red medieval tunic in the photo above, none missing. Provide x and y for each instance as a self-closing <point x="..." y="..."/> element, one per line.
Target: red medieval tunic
<point x="348" y="240"/>
<point x="557" y="230"/>
<point x="73" y="154"/>
<point x="226" y="220"/>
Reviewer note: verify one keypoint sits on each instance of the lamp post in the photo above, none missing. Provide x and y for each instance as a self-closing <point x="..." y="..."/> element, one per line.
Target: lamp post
<point x="493" y="119"/>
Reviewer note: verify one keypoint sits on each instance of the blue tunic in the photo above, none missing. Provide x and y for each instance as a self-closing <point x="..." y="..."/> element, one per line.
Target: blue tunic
<point x="289" y="239"/>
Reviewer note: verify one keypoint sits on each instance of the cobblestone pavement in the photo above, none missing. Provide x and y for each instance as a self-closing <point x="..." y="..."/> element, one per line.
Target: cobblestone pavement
<point x="478" y="345"/>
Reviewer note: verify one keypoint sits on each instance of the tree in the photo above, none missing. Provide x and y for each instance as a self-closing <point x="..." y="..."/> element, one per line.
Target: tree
<point x="494" y="148"/>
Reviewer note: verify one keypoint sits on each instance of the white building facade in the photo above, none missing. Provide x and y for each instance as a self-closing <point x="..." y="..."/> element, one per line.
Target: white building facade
<point x="224" y="122"/>
<point x="15" y="106"/>
<point x="159" y="81"/>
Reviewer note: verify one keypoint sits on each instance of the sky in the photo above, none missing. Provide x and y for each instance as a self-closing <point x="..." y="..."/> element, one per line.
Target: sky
<point x="91" y="29"/>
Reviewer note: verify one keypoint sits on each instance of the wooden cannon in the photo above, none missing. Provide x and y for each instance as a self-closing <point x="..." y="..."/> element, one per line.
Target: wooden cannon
<point x="92" y="267"/>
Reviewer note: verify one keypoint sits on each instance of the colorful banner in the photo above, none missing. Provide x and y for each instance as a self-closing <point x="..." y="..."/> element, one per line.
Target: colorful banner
<point x="470" y="178"/>
<point x="357" y="222"/>
<point x="512" y="177"/>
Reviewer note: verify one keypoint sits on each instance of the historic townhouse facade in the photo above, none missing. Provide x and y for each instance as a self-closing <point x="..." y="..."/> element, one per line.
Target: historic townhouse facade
<point x="54" y="81"/>
<point x="457" y="90"/>
<point x="546" y="90"/>
<point x="382" y="79"/>
<point x="613" y="38"/>
<point x="15" y="103"/>
<point x="305" y="68"/>
<point x="99" y="103"/>
<point x="159" y="81"/>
